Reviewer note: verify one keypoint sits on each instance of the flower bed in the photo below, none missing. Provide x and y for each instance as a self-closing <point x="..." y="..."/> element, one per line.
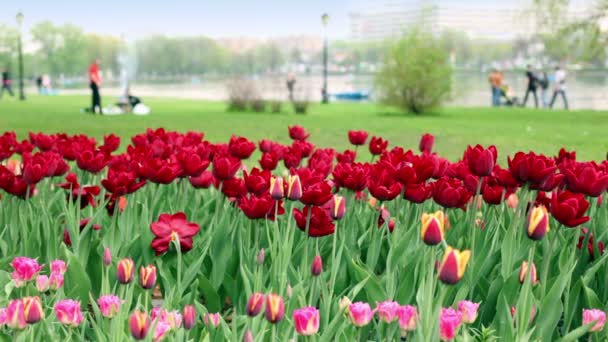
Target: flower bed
<point x="185" y="239"/>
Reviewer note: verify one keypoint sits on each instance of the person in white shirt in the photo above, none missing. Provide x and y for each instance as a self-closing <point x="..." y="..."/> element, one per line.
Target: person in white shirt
<point x="559" y="87"/>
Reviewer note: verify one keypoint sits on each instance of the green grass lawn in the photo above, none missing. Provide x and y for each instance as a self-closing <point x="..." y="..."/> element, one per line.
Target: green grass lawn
<point x="508" y="128"/>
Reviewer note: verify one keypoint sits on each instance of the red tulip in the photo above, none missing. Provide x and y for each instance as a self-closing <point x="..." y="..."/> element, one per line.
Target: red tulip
<point x="298" y="133"/>
<point x="240" y="147"/>
<point x="418" y="193"/>
<point x="121" y="183"/>
<point x="125" y="270"/>
<point x="275" y="308"/>
<point x="191" y="163"/>
<point x="266" y="145"/>
<point x="234" y="188"/>
<point x="568" y="208"/>
<point x="139" y="324"/>
<point x="293" y="157"/>
<point x="173" y="227"/>
<point x="377" y="145"/>
<point x="587" y="179"/>
<point x="321" y="223"/>
<point x="111" y="143"/>
<point x="257" y="182"/>
<point x="255" y="304"/>
<point x="450" y="193"/>
<point x="531" y="167"/>
<point x="426" y="143"/>
<point x="351" y="176"/>
<point x="564" y="155"/>
<point x="337" y="207"/>
<point x="269" y="161"/>
<point x="260" y="207"/>
<point x="316" y="268"/>
<point x="382" y="185"/>
<point x="160" y="171"/>
<point x="453" y="265"/>
<point x="86" y="193"/>
<point x="347" y="156"/>
<point x="147" y="277"/>
<point x="34" y="169"/>
<point x="315" y="193"/>
<point x="225" y="167"/>
<point x="481" y="161"/>
<point x="203" y="181"/>
<point x="92" y="161"/>
<point x="357" y="138"/>
<point x="42" y="141"/>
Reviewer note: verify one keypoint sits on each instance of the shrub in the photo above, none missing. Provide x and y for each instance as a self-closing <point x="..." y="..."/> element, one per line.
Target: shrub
<point x="258" y="105"/>
<point x="241" y="93"/>
<point x="416" y="75"/>
<point x="275" y="106"/>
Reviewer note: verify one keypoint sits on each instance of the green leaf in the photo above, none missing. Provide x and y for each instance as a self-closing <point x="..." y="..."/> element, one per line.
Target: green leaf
<point x="575" y="334"/>
<point x="212" y="299"/>
<point x="77" y="284"/>
<point x="374" y="290"/>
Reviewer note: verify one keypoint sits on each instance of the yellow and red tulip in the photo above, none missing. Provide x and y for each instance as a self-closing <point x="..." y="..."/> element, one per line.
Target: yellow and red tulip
<point x="125" y="270"/>
<point x="433" y="228"/>
<point x="538" y="223"/>
<point x="147" y="276"/>
<point x="453" y="265"/>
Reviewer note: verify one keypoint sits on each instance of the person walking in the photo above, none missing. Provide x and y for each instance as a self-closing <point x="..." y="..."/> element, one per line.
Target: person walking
<point x="544" y="89"/>
<point x="6" y="83"/>
<point x="532" y="84"/>
<point x="291" y="82"/>
<point x="95" y="84"/>
<point x="559" y="87"/>
<point x="496" y="79"/>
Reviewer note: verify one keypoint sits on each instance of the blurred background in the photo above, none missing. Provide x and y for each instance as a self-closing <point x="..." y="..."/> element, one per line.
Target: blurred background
<point x="194" y="49"/>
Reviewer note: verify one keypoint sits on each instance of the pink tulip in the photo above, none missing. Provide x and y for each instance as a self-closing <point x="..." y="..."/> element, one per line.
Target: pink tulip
<point x="68" y="312"/>
<point x="306" y="320"/>
<point x="107" y="257"/>
<point x="408" y="317"/>
<point x="449" y="322"/>
<point x="275" y="308"/>
<point x="468" y="310"/>
<point x="317" y="266"/>
<point x="387" y="311"/>
<point x="58" y="266"/>
<point x="360" y="314"/>
<point x="594" y="315"/>
<point x="25" y="269"/>
<point x="15" y="315"/>
<point x="161" y="330"/>
<point x="42" y="283"/>
<point x="189" y="314"/>
<point x="139" y="324"/>
<point x="212" y="319"/>
<point x="109" y="305"/>
<point x="3" y="317"/>
<point x="32" y="309"/>
<point x="248" y="336"/>
<point x="56" y="281"/>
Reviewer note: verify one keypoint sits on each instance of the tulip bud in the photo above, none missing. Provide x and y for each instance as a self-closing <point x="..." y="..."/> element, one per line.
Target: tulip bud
<point x="433" y="228"/>
<point x="294" y="188"/>
<point x="125" y="270"/>
<point x="58" y="266"/>
<point x="277" y="190"/>
<point x="107" y="257"/>
<point x="275" y="308"/>
<point x="32" y="309"/>
<point x="289" y="291"/>
<point x="255" y="304"/>
<point x="538" y="223"/>
<point x="56" y="281"/>
<point x="468" y="310"/>
<point x="523" y="273"/>
<point x="594" y="315"/>
<point x="337" y="207"/>
<point x="139" y="323"/>
<point x="212" y="319"/>
<point x="344" y="303"/>
<point x="453" y="265"/>
<point x="248" y="336"/>
<point x="189" y="317"/>
<point x="147" y="276"/>
<point x="317" y="266"/>
<point x="261" y="256"/>
<point x="42" y="283"/>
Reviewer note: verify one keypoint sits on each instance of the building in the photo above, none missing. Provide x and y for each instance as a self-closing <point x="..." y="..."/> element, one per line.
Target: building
<point x="505" y="20"/>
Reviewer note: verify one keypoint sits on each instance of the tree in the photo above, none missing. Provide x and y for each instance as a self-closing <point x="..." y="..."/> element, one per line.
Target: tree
<point x="416" y="75"/>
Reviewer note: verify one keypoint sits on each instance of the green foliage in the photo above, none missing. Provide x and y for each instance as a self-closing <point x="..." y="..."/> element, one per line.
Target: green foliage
<point x="416" y="75"/>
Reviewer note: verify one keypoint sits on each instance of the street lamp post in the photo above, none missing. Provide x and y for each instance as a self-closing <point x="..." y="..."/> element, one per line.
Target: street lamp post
<point x="20" y="52"/>
<point x="324" y="94"/>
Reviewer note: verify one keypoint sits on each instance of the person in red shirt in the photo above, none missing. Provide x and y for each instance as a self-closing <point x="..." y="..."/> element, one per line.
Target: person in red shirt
<point x="95" y="83"/>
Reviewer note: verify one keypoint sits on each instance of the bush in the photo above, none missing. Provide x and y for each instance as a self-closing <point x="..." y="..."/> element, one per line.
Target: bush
<point x="241" y="93"/>
<point x="275" y="106"/>
<point x="300" y="106"/>
<point x="416" y="75"/>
